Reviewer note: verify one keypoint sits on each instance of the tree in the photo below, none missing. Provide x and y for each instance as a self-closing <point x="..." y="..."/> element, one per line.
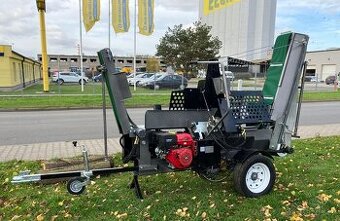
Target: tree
<point x="152" y="64"/>
<point x="179" y="46"/>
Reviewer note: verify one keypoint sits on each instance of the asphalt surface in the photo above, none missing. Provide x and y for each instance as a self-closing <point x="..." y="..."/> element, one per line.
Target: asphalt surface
<point x="28" y="127"/>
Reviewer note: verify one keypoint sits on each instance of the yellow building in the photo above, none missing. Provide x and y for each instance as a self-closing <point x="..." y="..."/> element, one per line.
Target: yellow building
<point x="16" y="70"/>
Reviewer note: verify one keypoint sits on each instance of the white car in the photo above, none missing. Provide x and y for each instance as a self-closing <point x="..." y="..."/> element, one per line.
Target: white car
<point x="69" y="77"/>
<point x="138" y="78"/>
<point x="230" y="75"/>
<point x="154" y="77"/>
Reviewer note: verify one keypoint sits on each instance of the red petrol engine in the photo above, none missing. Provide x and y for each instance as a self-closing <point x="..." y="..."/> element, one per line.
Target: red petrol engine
<point x="182" y="154"/>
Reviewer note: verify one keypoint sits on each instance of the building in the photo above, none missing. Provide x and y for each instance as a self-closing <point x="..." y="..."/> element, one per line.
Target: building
<point x="66" y="62"/>
<point x="323" y="63"/>
<point x="245" y="27"/>
<point x="16" y="70"/>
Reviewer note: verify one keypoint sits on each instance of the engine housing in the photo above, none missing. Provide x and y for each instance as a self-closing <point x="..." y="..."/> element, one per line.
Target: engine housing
<point x="177" y="149"/>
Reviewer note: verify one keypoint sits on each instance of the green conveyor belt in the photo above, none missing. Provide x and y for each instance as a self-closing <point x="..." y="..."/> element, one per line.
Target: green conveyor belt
<point x="275" y="69"/>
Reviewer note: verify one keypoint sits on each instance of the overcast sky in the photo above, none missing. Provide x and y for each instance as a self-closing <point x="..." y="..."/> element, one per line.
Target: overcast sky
<point x="19" y="25"/>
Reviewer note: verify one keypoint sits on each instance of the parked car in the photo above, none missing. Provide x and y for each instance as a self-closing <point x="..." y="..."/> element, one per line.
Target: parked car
<point x="330" y="80"/>
<point x="130" y="75"/>
<point x="97" y="78"/>
<point x="145" y="81"/>
<point x="168" y="81"/>
<point x="230" y="75"/>
<point x="311" y="79"/>
<point x="68" y="77"/>
<point x="138" y="78"/>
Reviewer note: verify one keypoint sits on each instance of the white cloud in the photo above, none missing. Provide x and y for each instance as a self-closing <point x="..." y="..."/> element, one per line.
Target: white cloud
<point x="329" y="6"/>
<point x="179" y="5"/>
<point x="19" y="24"/>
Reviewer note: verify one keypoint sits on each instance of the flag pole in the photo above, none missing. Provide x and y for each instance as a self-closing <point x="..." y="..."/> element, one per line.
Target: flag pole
<point x="106" y="155"/>
<point x="109" y="24"/>
<point x="81" y="49"/>
<point x="135" y="45"/>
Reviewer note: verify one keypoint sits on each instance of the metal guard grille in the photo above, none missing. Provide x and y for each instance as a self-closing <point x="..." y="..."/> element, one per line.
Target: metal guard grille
<point x="248" y="107"/>
<point x="177" y="100"/>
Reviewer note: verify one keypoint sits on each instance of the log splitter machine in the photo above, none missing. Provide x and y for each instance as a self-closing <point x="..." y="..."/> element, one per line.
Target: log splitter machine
<point x="208" y="128"/>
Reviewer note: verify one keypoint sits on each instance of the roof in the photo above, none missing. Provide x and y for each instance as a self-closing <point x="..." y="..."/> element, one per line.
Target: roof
<point x="26" y="58"/>
<point x="326" y="50"/>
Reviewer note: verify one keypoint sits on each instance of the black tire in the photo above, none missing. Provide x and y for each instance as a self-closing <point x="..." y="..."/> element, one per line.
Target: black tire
<point x="60" y="81"/>
<point x="72" y="187"/>
<point x="83" y="81"/>
<point x="255" y="176"/>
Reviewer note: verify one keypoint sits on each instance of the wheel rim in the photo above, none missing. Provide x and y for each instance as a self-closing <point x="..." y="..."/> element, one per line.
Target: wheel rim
<point x="76" y="186"/>
<point x="258" y="177"/>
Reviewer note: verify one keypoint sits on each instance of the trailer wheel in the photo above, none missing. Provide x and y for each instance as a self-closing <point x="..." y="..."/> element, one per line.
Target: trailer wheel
<point x="255" y="176"/>
<point x="75" y="186"/>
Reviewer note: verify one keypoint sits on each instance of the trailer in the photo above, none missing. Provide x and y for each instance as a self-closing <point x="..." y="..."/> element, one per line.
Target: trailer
<point x="208" y="129"/>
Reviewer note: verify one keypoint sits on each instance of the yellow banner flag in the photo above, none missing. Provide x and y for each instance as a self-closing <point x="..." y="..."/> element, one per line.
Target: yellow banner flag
<point x="91" y="13"/>
<point x="210" y="6"/>
<point x="120" y="15"/>
<point x="145" y="16"/>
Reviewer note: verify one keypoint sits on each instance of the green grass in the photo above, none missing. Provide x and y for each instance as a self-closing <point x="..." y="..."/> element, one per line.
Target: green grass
<point x="322" y="96"/>
<point x="307" y="187"/>
<point x="66" y="89"/>
<point x="71" y="97"/>
<point x="44" y="102"/>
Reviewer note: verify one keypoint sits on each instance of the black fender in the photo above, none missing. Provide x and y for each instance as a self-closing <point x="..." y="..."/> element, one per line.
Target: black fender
<point x="243" y="155"/>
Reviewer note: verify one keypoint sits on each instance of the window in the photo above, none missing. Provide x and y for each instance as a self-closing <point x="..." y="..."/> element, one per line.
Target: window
<point x="63" y="59"/>
<point x="93" y="60"/>
<point x="177" y="77"/>
<point x="167" y="78"/>
<point x="74" y="60"/>
<point x="53" y="59"/>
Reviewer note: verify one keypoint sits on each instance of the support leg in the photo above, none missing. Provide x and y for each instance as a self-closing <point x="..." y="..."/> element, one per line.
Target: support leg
<point x="135" y="185"/>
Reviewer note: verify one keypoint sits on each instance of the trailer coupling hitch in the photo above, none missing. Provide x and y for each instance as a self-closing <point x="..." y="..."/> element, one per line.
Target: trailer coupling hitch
<point x="76" y="185"/>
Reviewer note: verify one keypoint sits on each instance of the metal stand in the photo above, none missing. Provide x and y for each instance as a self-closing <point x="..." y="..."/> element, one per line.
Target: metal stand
<point x="104" y="118"/>
<point x="135" y="185"/>
<point x="302" y="87"/>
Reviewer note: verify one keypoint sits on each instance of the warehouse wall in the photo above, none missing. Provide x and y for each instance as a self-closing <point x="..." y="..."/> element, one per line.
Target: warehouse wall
<point x="246" y="28"/>
<point x="324" y="63"/>
<point x="16" y="70"/>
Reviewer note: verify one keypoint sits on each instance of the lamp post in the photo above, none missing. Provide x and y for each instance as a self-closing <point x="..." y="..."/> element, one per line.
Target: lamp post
<point x="41" y="6"/>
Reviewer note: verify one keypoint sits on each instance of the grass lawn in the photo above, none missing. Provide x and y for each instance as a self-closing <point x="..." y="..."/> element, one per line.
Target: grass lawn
<point x="66" y="89"/>
<point x="71" y="97"/>
<point x="46" y="102"/>
<point x="322" y="96"/>
<point x="307" y="188"/>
